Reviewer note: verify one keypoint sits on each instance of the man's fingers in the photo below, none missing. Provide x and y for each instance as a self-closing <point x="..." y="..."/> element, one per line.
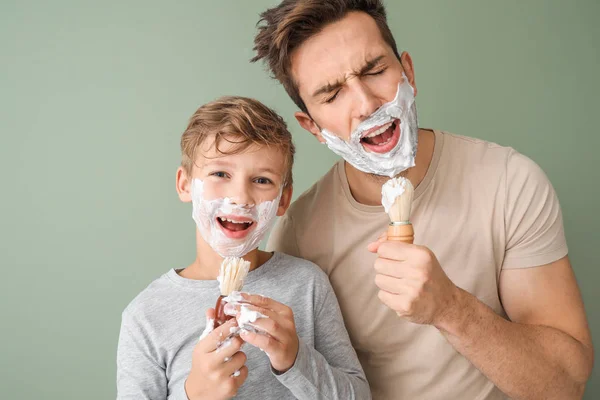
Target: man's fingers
<point x="397" y="302"/>
<point x="398" y="251"/>
<point x="389" y="284"/>
<point x="372" y="247"/>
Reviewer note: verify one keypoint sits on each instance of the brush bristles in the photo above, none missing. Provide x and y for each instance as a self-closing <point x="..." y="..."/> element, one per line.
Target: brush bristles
<point x="232" y="275"/>
<point x="400" y="210"/>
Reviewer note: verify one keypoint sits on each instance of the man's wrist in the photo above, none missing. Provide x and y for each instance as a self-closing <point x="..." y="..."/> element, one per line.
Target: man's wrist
<point x="458" y="313"/>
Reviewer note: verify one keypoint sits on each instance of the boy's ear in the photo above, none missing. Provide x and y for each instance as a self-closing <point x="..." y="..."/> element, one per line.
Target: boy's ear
<point x="307" y="123"/>
<point x="286" y="199"/>
<point x="183" y="186"/>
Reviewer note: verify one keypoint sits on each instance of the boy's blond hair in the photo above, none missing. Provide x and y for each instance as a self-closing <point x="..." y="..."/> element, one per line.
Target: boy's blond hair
<point x="241" y="121"/>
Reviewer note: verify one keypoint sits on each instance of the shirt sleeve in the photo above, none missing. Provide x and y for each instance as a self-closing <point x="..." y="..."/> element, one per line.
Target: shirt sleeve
<point x="533" y="218"/>
<point x="283" y="237"/>
<point x="331" y="370"/>
<point x="139" y="377"/>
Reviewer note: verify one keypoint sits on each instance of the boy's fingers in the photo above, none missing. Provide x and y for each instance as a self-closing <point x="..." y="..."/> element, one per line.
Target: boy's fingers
<point x="234" y="363"/>
<point x="212" y="340"/>
<point x="241" y="378"/>
<point x="210" y="314"/>
<point x="265" y="302"/>
<point x="210" y="320"/>
<point x="246" y="312"/>
<point x="264" y="342"/>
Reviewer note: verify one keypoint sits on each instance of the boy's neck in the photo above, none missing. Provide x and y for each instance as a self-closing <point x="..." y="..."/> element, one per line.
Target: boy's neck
<point x="207" y="264"/>
<point x="366" y="188"/>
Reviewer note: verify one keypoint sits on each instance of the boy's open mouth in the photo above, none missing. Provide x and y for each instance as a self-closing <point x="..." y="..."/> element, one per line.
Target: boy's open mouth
<point x="383" y="138"/>
<point x="235" y="227"/>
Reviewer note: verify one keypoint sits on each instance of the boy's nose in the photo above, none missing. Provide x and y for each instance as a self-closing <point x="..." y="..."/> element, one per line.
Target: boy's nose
<point x="241" y="197"/>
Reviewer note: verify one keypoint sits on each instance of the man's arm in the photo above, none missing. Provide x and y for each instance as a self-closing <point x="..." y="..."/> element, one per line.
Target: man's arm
<point x="544" y="351"/>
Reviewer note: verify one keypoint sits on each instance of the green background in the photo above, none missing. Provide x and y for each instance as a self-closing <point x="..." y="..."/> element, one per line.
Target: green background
<point x="95" y="95"/>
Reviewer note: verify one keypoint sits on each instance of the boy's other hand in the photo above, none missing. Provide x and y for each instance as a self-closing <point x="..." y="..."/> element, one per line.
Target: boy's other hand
<point x="218" y="368"/>
<point x="280" y="341"/>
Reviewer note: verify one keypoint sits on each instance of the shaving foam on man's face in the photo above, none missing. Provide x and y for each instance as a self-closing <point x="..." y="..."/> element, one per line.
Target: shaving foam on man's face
<point x="232" y="230"/>
<point x="386" y="142"/>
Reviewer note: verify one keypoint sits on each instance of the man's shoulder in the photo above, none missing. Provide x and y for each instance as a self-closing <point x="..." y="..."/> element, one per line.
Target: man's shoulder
<point x="466" y="145"/>
<point x="322" y="191"/>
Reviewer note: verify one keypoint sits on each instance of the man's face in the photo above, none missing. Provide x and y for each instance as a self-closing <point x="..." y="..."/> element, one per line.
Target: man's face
<point x="344" y="74"/>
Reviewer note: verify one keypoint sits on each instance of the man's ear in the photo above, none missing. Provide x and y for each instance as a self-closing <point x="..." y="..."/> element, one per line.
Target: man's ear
<point x="409" y="70"/>
<point x="183" y="185"/>
<point x="286" y="199"/>
<point x="307" y="123"/>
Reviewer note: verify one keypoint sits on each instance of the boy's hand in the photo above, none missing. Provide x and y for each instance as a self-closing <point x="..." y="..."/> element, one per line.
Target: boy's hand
<point x="217" y="372"/>
<point x="280" y="341"/>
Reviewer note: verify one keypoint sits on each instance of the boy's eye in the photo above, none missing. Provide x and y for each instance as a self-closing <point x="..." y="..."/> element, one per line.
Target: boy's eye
<point x="219" y="174"/>
<point x="263" y="181"/>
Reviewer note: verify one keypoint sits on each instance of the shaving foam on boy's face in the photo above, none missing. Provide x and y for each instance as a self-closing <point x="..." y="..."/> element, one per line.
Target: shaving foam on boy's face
<point x="386" y="142"/>
<point x="230" y="229"/>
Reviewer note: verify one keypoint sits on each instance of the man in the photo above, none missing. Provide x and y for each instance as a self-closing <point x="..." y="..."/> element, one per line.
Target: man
<point x="485" y="304"/>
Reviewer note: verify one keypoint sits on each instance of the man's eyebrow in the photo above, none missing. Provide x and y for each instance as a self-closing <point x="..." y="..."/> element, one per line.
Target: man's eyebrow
<point x="370" y="64"/>
<point x="330" y="87"/>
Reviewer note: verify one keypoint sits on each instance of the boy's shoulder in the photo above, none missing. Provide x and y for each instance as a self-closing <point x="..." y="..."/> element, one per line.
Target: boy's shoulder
<point x="300" y="267"/>
<point x="151" y="298"/>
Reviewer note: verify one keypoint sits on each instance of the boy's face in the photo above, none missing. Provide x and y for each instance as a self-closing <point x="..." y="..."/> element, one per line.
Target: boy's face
<point x="249" y="178"/>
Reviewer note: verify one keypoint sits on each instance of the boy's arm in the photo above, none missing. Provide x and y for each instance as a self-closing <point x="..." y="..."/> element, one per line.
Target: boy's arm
<point x="331" y="370"/>
<point x="139" y="377"/>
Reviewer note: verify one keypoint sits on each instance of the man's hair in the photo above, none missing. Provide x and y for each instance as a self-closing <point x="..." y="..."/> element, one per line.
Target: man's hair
<point x="283" y="28"/>
<point x="241" y="121"/>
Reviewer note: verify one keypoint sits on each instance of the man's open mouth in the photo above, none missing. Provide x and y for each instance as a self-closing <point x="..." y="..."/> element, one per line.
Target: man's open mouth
<point x="235" y="227"/>
<point x="383" y="138"/>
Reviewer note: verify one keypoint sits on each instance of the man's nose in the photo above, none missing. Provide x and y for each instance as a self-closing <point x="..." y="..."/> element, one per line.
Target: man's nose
<point x="367" y="102"/>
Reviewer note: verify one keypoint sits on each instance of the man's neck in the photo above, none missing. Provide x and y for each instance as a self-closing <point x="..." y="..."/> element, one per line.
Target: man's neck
<point x="366" y="188"/>
<point x="207" y="264"/>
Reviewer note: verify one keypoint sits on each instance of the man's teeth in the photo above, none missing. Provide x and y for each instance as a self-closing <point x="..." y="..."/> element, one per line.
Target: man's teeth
<point x="380" y="130"/>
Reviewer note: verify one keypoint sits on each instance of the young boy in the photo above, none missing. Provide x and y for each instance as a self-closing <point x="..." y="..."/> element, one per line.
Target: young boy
<point x="236" y="169"/>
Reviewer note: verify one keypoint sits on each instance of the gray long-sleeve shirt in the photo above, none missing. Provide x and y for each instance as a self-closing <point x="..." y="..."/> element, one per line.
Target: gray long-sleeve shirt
<point x="161" y="326"/>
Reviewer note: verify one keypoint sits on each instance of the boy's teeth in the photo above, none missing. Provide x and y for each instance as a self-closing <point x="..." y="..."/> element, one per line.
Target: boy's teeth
<point x="235" y="222"/>
<point x="380" y="130"/>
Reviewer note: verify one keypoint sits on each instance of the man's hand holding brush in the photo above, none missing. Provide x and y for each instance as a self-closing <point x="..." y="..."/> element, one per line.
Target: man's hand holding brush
<point x="412" y="282"/>
<point x="410" y="278"/>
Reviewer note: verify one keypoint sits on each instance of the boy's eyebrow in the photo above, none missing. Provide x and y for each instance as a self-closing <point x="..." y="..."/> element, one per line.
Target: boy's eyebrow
<point x="330" y="87"/>
<point x="220" y="163"/>
<point x="215" y="162"/>
<point x="270" y="170"/>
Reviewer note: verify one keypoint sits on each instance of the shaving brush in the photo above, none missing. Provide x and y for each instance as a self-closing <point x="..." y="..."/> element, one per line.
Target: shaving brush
<point x="231" y="279"/>
<point x="397" y="196"/>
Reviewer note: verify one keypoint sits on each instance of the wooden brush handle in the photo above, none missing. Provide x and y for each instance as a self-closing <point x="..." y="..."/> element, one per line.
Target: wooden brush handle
<point x="220" y="316"/>
<point x="401" y="233"/>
